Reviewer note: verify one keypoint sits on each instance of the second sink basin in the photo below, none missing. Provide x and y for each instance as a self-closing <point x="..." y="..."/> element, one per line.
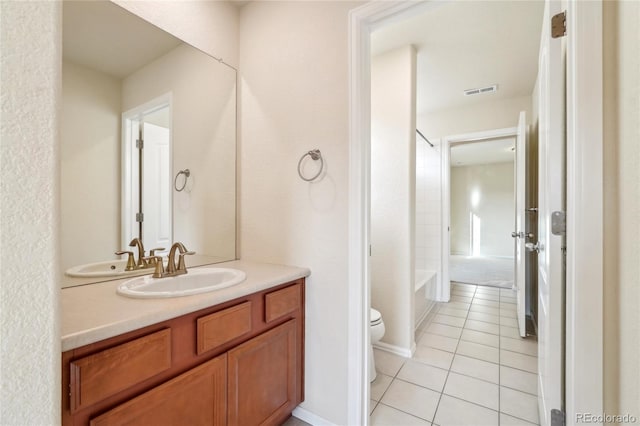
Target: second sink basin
<point x="196" y="281"/>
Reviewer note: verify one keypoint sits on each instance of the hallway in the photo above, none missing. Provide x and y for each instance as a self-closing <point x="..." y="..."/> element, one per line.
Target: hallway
<point x="470" y="367"/>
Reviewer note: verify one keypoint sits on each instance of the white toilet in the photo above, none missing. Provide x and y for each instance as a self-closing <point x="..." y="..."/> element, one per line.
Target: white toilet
<point x="377" y="331"/>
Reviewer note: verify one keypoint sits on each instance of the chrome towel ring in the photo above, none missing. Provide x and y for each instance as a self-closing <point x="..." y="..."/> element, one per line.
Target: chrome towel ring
<point x="315" y="156"/>
<point x="186" y="173"/>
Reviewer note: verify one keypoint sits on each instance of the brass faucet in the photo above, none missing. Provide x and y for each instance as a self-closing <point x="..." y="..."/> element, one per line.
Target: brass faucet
<point x="143" y="262"/>
<point x="172" y="269"/>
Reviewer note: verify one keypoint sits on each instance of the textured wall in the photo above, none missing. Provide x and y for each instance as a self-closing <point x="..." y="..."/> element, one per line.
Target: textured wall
<point x="294" y="97"/>
<point x="29" y="332"/>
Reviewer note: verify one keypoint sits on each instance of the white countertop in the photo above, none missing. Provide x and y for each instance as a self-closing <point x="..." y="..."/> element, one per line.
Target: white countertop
<point x="95" y="312"/>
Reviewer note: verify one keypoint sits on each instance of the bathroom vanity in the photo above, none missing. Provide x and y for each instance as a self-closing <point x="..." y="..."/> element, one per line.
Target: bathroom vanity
<point x="230" y="357"/>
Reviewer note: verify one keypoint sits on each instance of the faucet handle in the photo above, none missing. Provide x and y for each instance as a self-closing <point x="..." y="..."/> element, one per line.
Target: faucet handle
<point x="131" y="263"/>
<point x="152" y="253"/>
<point x="181" y="265"/>
<point x="157" y="261"/>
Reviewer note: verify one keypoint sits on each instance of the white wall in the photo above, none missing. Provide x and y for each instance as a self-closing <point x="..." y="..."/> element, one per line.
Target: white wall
<point x="487" y="115"/>
<point x="203" y="141"/>
<point x="211" y="26"/>
<point x="393" y="183"/>
<point x="90" y="165"/>
<point x="428" y="207"/>
<point x="621" y="34"/>
<point x="494" y="184"/>
<point x="294" y="97"/>
<point x="30" y="34"/>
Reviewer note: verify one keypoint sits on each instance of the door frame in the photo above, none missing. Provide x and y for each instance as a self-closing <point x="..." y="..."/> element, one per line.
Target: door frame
<point x="584" y="315"/>
<point x="444" y="289"/>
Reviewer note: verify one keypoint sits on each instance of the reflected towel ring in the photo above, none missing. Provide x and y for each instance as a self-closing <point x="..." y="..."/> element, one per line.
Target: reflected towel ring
<point x="315" y="155"/>
<point x="186" y="174"/>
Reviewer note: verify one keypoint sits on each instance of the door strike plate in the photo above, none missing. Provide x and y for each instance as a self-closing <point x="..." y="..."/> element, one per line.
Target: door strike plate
<point x="558" y="223"/>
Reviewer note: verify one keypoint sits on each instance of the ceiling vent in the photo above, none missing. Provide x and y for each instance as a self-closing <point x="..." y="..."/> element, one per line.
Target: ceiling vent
<point x="487" y="89"/>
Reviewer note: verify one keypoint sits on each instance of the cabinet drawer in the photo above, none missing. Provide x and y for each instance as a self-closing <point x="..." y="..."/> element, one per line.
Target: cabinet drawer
<point x="280" y="303"/>
<point x="105" y="373"/>
<point x="222" y="327"/>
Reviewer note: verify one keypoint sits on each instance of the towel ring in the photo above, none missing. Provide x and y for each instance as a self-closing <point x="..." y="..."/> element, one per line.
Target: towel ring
<point x="315" y="155"/>
<point x="186" y="173"/>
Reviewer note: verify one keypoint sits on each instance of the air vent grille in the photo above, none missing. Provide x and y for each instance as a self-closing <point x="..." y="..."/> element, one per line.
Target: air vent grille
<point x="477" y="91"/>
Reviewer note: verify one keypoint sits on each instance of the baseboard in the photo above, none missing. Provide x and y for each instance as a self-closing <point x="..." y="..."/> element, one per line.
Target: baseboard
<point x="311" y="418"/>
<point x="396" y="350"/>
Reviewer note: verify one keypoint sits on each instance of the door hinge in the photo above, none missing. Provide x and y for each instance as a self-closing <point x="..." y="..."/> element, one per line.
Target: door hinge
<point x="139" y="144"/>
<point x="558" y="223"/>
<point x="557" y="417"/>
<point x="559" y="25"/>
<point x="139" y="217"/>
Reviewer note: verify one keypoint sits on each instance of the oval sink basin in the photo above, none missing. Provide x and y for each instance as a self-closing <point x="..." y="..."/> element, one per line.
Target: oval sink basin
<point x="109" y="268"/>
<point x="196" y="281"/>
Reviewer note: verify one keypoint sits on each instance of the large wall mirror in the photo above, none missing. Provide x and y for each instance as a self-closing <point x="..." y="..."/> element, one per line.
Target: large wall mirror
<point x="148" y="144"/>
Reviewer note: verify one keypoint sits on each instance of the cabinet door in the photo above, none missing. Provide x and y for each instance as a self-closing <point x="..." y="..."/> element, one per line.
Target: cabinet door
<point x="262" y="378"/>
<point x="195" y="398"/>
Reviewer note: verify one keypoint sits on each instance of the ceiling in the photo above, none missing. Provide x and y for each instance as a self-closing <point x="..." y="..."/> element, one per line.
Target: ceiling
<point x="103" y="36"/>
<point x="486" y="152"/>
<point x="469" y="44"/>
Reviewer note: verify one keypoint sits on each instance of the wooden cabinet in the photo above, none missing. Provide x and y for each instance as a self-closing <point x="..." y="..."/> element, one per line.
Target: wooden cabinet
<point x="238" y="363"/>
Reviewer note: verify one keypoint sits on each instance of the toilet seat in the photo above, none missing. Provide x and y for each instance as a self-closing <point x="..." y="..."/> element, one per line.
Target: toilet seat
<point x="375" y="317"/>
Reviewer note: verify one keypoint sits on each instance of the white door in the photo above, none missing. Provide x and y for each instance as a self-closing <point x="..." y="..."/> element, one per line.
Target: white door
<point x="156" y="184"/>
<point x="520" y="234"/>
<point x="551" y="198"/>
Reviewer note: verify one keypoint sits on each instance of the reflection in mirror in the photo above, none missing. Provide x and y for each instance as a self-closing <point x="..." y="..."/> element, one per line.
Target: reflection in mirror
<point x="126" y="81"/>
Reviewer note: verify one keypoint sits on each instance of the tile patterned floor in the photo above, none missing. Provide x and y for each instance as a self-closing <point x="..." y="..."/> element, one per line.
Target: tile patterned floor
<point x="470" y="367"/>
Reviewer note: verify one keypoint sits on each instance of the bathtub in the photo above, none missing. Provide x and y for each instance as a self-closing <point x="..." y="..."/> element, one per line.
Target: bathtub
<point x="425" y="291"/>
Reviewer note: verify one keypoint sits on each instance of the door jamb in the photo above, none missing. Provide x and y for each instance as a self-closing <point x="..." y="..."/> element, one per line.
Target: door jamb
<point x="444" y="290"/>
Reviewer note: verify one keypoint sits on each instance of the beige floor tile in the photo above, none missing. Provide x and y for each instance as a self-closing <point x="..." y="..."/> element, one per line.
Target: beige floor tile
<point x="462" y="299"/>
<point x="506" y="420"/>
<point x="482" y="302"/>
<point x="508" y="314"/>
<point x="484" y="327"/>
<point x="448" y="320"/>
<point x="509" y="322"/>
<point x="460" y="313"/>
<point x="507" y="306"/>
<point x="519" y="361"/>
<point x="379" y="386"/>
<point x="518" y="379"/>
<point x="487" y="296"/>
<point x="475" y="350"/>
<point x="488" y="289"/>
<point x="480" y="337"/>
<point x="462" y="292"/>
<point x="455" y="412"/>
<point x="388" y="416"/>
<point x="481" y="316"/>
<point x="455" y="284"/>
<point x="294" y="421"/>
<point x="508" y="292"/>
<point x="423" y="375"/>
<point x="434" y="357"/>
<point x="411" y="399"/>
<point x="473" y="390"/>
<point x="508" y="299"/>
<point x="519" y="404"/>
<point x="528" y="346"/>
<point x="444" y="330"/>
<point x="448" y="344"/>
<point x="484" y="309"/>
<point x="459" y="305"/>
<point x="387" y="363"/>
<point x="476" y="368"/>
<point x="509" y="332"/>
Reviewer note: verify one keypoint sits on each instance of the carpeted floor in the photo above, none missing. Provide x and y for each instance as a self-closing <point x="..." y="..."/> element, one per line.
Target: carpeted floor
<point x="489" y="271"/>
